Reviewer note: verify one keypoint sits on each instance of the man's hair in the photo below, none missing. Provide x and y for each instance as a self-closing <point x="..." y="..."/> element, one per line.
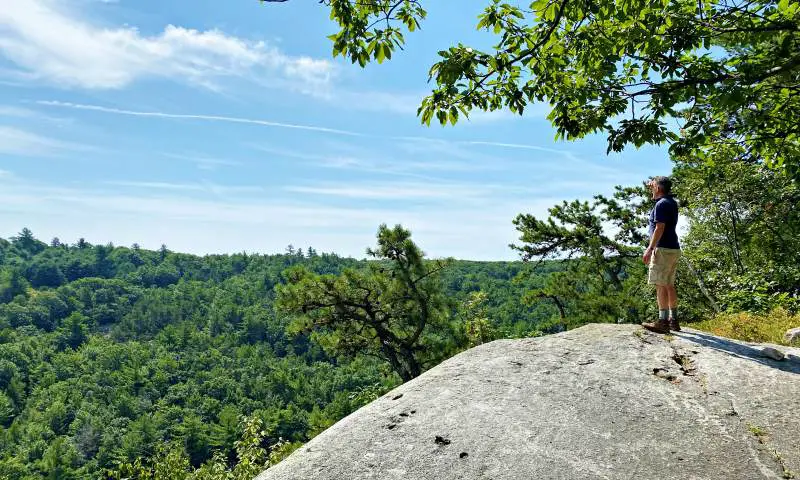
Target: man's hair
<point x="665" y="183"/>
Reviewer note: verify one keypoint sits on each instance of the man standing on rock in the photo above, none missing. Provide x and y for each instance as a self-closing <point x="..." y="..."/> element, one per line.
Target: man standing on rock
<point x="662" y="255"/>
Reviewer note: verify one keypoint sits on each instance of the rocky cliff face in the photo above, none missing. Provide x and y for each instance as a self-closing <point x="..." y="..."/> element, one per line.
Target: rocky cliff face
<point x="601" y="401"/>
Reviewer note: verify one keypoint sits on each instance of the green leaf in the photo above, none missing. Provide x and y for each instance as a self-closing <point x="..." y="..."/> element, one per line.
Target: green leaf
<point x="453" y="115"/>
<point x="379" y="55"/>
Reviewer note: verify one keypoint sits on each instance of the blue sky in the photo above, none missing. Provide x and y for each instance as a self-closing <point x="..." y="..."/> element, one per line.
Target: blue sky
<point x="227" y="126"/>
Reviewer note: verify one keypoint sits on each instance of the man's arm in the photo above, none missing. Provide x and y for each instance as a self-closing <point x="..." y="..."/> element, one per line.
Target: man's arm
<point x="659" y="230"/>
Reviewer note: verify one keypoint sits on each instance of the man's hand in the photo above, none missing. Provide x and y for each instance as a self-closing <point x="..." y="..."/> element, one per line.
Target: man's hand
<point x="647" y="254"/>
<point x="657" y="232"/>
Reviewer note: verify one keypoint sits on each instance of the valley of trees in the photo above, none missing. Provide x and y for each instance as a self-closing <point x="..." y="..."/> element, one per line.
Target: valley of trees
<point x="109" y="353"/>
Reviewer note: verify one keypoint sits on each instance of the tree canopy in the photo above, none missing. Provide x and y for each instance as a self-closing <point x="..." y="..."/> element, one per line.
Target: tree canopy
<point x="395" y="309"/>
<point x="147" y="364"/>
<point x="710" y="77"/>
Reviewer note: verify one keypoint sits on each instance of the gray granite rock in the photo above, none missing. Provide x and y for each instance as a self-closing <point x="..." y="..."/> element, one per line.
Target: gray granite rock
<point x="792" y="336"/>
<point x="773" y="353"/>
<point x="598" y="402"/>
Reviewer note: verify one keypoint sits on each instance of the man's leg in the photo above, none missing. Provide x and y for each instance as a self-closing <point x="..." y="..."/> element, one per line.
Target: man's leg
<point x="663" y="295"/>
<point x="674" y="256"/>
<point x="662" y="325"/>
<point x="655" y="276"/>
<point x="672" y="303"/>
<point x="672" y="297"/>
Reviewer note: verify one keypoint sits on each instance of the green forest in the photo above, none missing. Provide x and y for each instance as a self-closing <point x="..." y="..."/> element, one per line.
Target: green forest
<point x="108" y="352"/>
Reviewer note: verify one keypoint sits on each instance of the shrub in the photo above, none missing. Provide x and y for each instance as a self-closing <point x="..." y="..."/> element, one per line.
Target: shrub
<point x="752" y="327"/>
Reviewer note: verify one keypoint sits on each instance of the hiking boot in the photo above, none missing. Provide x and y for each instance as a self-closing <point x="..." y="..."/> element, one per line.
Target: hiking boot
<point x="660" y="326"/>
<point x="674" y="325"/>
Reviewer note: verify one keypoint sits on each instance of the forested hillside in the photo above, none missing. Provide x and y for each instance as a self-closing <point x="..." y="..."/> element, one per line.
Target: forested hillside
<point x="123" y="358"/>
<point x="107" y="353"/>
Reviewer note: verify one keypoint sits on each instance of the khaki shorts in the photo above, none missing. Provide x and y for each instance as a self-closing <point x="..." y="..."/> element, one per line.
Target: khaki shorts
<point x="663" y="265"/>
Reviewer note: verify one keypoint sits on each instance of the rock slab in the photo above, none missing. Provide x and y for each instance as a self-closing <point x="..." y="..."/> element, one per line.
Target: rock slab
<point x="599" y="402"/>
<point x="792" y="336"/>
<point x="773" y="353"/>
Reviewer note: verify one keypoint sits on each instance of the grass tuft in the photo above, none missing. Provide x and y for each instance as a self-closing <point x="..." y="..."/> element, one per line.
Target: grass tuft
<point x="752" y="327"/>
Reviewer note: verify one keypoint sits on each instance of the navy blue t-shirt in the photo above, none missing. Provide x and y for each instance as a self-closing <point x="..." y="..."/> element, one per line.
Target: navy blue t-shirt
<point x="665" y="211"/>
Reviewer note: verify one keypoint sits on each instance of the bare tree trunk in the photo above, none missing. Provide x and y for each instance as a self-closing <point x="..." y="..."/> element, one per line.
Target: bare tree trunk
<point x="561" y="311"/>
<point x="737" y="256"/>
<point x="395" y="362"/>
<point x="702" y="285"/>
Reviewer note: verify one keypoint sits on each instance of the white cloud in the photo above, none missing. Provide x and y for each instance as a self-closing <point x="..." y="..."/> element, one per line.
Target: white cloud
<point x="400" y="191"/>
<point x="468" y="158"/>
<point x="448" y="155"/>
<point x="210" y="118"/>
<point x="11" y="111"/>
<point x="370" y="100"/>
<point x="475" y="160"/>
<point x="382" y="162"/>
<point x="204" y="163"/>
<point x="207" y="187"/>
<point x="556" y="160"/>
<point x="50" y="43"/>
<point x="523" y="146"/>
<point x="14" y="141"/>
<point x="223" y="225"/>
